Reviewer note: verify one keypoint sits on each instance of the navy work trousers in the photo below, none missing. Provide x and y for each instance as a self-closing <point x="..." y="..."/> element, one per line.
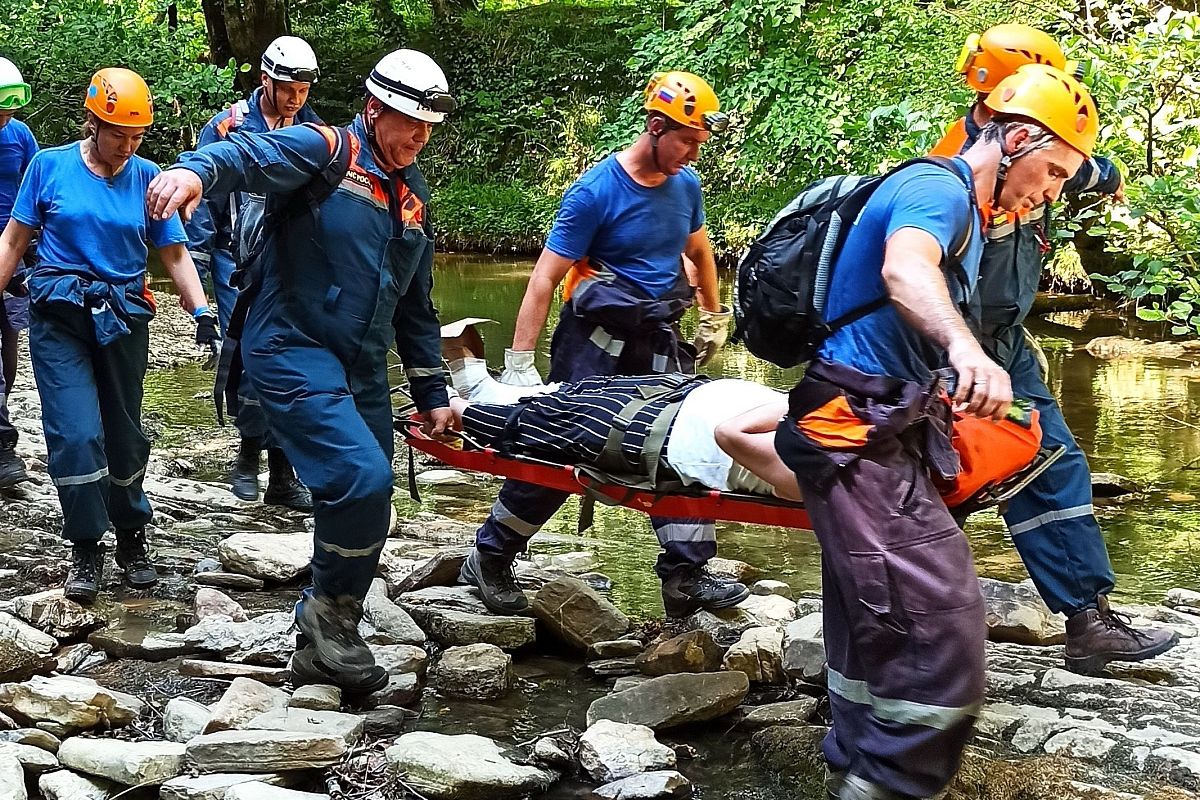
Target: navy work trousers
<point x="92" y="417"/>
<point x="903" y="623"/>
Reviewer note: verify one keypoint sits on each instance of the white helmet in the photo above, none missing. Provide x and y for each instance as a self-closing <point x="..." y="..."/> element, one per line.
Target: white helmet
<point x="412" y="83"/>
<point x="14" y="91"/>
<point x="290" y="58"/>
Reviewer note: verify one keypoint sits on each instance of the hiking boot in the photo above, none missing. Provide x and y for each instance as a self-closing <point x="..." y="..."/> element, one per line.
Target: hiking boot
<point x="87" y="568"/>
<point x="283" y="489"/>
<point x="131" y="555"/>
<point x="1099" y="635"/>
<point x="331" y="625"/>
<point x="243" y="480"/>
<point x="856" y="788"/>
<point x="306" y="667"/>
<point x="496" y="580"/>
<point x="12" y="468"/>
<point x="690" y="589"/>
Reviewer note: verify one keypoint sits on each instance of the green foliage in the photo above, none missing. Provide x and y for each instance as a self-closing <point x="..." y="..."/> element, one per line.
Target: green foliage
<point x="58" y="44"/>
<point x="492" y="217"/>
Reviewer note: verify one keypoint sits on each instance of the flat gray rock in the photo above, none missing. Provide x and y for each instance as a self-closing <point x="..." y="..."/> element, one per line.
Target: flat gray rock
<point x="264" y="751"/>
<point x="127" y="763"/>
<point x="67" y="785"/>
<point x="673" y="700"/>
<point x="657" y="785"/>
<point x="476" y="671"/>
<point x="69" y="702"/>
<point x="464" y="767"/>
<point x="303" y="720"/>
<point x="611" y="750"/>
<point x="210" y="787"/>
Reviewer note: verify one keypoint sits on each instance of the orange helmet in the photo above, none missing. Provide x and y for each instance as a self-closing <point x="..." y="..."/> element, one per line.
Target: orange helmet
<point x="990" y="57"/>
<point x="687" y="99"/>
<point x="1051" y="98"/>
<point x="119" y="96"/>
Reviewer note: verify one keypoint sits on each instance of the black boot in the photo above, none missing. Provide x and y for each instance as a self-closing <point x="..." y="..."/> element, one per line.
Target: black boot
<point x="497" y="583"/>
<point x="131" y="555"/>
<point x="87" y="568"/>
<point x="307" y="667"/>
<point x="12" y="468"/>
<point x="690" y="589"/>
<point x="243" y="481"/>
<point x="331" y="626"/>
<point x="283" y="489"/>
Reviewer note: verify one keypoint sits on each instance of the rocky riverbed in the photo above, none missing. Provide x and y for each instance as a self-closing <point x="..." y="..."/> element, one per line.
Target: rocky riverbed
<point x="181" y="693"/>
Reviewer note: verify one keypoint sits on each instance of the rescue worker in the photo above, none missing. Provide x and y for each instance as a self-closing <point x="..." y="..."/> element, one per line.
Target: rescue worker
<point x="17" y="148"/>
<point x="1052" y="522"/>
<point x="336" y="288"/>
<point x="866" y="426"/>
<point x="616" y="242"/>
<point x="90" y="315"/>
<point x="288" y="71"/>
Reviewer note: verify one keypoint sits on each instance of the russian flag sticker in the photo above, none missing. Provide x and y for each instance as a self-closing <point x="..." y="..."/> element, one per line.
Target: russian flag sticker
<point x="666" y="95"/>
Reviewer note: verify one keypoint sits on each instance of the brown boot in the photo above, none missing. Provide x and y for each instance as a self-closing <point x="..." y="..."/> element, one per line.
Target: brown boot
<point x="1100" y="635"/>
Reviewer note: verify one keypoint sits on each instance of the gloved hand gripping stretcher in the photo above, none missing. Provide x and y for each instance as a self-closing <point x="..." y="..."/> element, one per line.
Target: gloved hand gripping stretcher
<point x="661" y="452"/>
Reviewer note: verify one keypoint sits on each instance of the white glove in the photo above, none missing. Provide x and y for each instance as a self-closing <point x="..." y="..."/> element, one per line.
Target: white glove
<point x="711" y="334"/>
<point x="519" y="369"/>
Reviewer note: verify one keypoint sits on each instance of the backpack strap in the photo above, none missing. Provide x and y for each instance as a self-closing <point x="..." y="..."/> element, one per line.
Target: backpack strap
<point x="238" y="112"/>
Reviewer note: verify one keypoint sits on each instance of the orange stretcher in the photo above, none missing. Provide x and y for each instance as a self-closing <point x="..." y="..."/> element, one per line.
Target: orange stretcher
<point x="700" y="503"/>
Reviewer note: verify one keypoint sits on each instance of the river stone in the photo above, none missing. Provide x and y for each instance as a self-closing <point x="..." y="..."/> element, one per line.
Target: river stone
<point x="725" y="625"/>
<point x="629" y="681"/>
<point x="399" y="659"/>
<point x="35" y="760"/>
<point x="1183" y="599"/>
<point x="255" y="790"/>
<point x="694" y="651"/>
<point x="759" y="654"/>
<point x="804" y="649"/>
<point x="611" y="750"/>
<point x="303" y="720"/>
<point x="1016" y="613"/>
<point x="657" y="785"/>
<point x="267" y="639"/>
<point x="213" y="786"/>
<point x="613" y="667"/>
<point x="68" y="658"/>
<point x="184" y="719"/>
<point x="154" y="646"/>
<point x="547" y="751"/>
<point x="52" y="613"/>
<point x="32" y="737"/>
<point x="618" y="648"/>
<point x="385" y="720"/>
<point x="12" y="779"/>
<point x="264" y="751"/>
<point x="24" y="650"/>
<point x="577" y="614"/>
<point x="766" y="587"/>
<point x="438" y="477"/>
<point x="402" y="689"/>
<point x="244" y="700"/>
<point x="220" y="669"/>
<point x="730" y="568"/>
<point x="229" y="580"/>
<point x="1082" y="743"/>
<point x="127" y="763"/>
<point x="441" y="570"/>
<point x="457" y="629"/>
<point x="463" y="767"/>
<point x="388" y="623"/>
<point x="769" y="610"/>
<point x="67" y="785"/>
<point x="74" y="703"/>
<point x="280" y="557"/>
<point x="477" y="671"/>
<point x="211" y="602"/>
<point x="447" y="598"/>
<point x="673" y="700"/>
<point x="317" y="697"/>
<point x="789" y="712"/>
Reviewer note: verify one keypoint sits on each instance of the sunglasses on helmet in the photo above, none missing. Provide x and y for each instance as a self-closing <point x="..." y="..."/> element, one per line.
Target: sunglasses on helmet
<point x="294" y="74"/>
<point x="14" y="96"/>
<point x="436" y="100"/>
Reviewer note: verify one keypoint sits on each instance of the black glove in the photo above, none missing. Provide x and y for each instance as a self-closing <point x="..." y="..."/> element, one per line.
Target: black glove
<point x="207" y="334"/>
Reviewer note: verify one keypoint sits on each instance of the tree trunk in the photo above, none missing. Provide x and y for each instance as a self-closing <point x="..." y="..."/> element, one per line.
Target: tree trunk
<point x="242" y="30"/>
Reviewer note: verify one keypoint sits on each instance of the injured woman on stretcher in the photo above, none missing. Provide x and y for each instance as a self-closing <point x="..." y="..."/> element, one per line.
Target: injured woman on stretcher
<point x="679" y="432"/>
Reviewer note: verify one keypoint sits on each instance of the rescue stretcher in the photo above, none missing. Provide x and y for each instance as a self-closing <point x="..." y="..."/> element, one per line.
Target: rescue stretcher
<point x="700" y="502"/>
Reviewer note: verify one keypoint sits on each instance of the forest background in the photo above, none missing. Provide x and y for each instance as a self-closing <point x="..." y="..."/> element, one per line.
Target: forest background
<point x="814" y="88"/>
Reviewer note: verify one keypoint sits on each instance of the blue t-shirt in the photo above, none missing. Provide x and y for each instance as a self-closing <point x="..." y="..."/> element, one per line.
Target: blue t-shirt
<point x="91" y="224"/>
<point x="926" y="197"/>
<point x="17" y="148"/>
<point x="638" y="232"/>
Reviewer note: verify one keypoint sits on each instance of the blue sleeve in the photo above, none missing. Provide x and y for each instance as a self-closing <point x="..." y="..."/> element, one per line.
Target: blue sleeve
<point x="27" y="208"/>
<point x="934" y="202"/>
<point x="418" y="338"/>
<point x="276" y="161"/>
<point x="202" y="227"/>
<point x="576" y="223"/>
<point x="698" y="206"/>
<point x="1098" y="175"/>
<point x="163" y="232"/>
<point x="30" y="145"/>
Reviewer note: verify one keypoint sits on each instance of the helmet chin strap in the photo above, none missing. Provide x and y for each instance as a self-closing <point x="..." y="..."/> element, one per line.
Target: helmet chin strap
<point x="654" y="152"/>
<point x="1006" y="162"/>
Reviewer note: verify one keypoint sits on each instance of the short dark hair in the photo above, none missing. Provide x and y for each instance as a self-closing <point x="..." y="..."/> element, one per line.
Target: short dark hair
<point x="1001" y="125"/>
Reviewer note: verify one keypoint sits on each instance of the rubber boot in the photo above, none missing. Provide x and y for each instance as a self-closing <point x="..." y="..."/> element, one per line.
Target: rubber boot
<point x="132" y="556"/>
<point x="686" y="591"/>
<point x="497" y="583"/>
<point x="87" y="570"/>
<point x="283" y="488"/>
<point x="1099" y="635"/>
<point x="12" y="468"/>
<point x="243" y="480"/>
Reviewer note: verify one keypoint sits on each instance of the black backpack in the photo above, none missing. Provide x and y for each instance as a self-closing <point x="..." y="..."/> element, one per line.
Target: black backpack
<point x="260" y="218"/>
<point x="783" y="278"/>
